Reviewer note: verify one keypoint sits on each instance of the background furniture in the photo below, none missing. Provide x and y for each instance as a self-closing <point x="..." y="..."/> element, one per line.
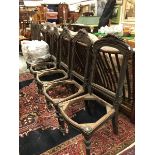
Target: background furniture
<point x="63" y="11"/>
<point x="24" y="22"/>
<point x="40" y="15"/>
<point x="52" y="13"/>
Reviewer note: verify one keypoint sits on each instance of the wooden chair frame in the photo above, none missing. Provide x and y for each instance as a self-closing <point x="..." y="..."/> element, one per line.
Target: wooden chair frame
<point x="87" y="129"/>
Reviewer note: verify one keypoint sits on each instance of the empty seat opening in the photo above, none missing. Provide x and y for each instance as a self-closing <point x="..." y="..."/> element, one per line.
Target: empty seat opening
<point x="86" y="111"/>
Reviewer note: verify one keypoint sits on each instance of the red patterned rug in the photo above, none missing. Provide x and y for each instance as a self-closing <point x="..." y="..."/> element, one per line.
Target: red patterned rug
<point x="33" y="114"/>
<point x="25" y="76"/>
<point x="129" y="151"/>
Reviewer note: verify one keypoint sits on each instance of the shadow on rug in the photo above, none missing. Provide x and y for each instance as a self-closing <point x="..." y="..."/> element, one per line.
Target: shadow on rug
<point x="104" y="142"/>
<point x="34" y="115"/>
<point x="25" y="76"/>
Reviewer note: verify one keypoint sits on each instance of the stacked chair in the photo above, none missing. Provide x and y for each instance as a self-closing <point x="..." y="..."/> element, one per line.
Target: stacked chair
<point x="87" y="77"/>
<point x="52" y="72"/>
<point x="46" y="78"/>
<point x="78" y="49"/>
<point x="49" y="64"/>
<point x="46" y="65"/>
<point x="105" y="52"/>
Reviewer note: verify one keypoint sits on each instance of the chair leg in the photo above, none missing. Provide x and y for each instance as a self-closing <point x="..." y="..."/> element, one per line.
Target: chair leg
<point x="39" y="87"/>
<point x="62" y="125"/>
<point x="61" y="122"/>
<point x="49" y="105"/>
<point x="115" y="124"/>
<point x="87" y="144"/>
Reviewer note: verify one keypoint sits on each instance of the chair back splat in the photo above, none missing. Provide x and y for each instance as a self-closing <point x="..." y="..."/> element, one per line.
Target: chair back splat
<point x="35" y="31"/>
<point x="48" y="36"/>
<point x="110" y="58"/>
<point x="81" y="46"/>
<point x="65" y="49"/>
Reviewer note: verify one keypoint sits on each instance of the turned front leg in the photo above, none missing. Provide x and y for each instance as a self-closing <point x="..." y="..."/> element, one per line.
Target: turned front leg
<point x="87" y="142"/>
<point x="61" y="121"/>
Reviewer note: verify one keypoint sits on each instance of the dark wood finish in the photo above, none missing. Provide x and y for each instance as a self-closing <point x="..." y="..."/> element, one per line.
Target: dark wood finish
<point x="58" y="73"/>
<point x="111" y="88"/>
<point x="55" y="45"/>
<point x="80" y="55"/>
<point x="65" y="49"/>
<point x="107" y="80"/>
<point x="66" y="54"/>
<point x="128" y="104"/>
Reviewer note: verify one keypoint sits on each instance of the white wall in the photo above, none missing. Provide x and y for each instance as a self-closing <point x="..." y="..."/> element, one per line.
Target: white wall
<point x="35" y="3"/>
<point x="72" y="2"/>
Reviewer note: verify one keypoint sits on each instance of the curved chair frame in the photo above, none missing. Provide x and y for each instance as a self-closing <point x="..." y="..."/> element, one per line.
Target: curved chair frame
<point x="87" y="129"/>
